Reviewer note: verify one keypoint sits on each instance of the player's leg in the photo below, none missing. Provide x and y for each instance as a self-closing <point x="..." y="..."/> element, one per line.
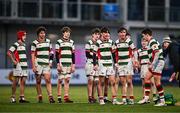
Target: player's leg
<point x="157" y="72"/>
<point x="94" y="88"/>
<point x="39" y="88"/>
<point x="147" y="87"/>
<point x="90" y="88"/>
<point x="101" y="85"/>
<point x="106" y="85"/>
<point x="14" y="85"/>
<point x="130" y="89"/>
<point x="123" y="89"/>
<point x="160" y="90"/>
<point x="153" y="89"/>
<point x="117" y="84"/>
<point x="47" y="78"/>
<point x="113" y="90"/>
<point x="22" y="88"/>
<point x="66" y="90"/>
<point x="59" y="89"/>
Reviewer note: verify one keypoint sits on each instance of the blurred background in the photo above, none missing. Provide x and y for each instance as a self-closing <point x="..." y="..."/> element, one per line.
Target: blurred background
<point x="162" y="16"/>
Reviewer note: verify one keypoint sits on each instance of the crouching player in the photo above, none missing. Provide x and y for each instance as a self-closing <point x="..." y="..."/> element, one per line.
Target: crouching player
<point x="17" y="54"/>
<point x="65" y="58"/>
<point x="91" y="73"/>
<point x="144" y="56"/>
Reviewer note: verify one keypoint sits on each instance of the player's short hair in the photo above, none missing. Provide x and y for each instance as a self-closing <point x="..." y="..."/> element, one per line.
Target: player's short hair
<point x="147" y="31"/>
<point x="39" y="29"/>
<point x="95" y="30"/>
<point x="121" y="29"/>
<point x="105" y="30"/>
<point x="66" y="29"/>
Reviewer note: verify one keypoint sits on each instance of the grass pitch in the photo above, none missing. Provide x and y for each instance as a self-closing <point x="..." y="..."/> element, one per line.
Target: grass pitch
<point x="79" y="95"/>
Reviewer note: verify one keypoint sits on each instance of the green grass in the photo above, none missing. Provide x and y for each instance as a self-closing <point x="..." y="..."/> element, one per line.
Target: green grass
<point x="79" y="95"/>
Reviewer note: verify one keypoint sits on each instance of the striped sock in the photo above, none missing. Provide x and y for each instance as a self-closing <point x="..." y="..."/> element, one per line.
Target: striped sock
<point x="160" y="91"/>
<point x="131" y="97"/>
<point x="147" y="87"/>
<point x="66" y="97"/>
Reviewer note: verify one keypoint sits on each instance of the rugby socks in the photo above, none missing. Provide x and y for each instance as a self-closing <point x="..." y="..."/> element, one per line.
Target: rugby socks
<point x="114" y="98"/>
<point x="59" y="96"/>
<point x="131" y="98"/>
<point x="160" y="92"/>
<point x="66" y="97"/>
<point x="59" y="99"/>
<point x="40" y="98"/>
<point x="147" y="88"/>
<point x="21" y="98"/>
<point x="124" y="98"/>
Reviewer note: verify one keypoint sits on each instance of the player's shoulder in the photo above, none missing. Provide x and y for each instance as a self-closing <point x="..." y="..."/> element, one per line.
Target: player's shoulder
<point x="48" y="40"/>
<point x="153" y="41"/>
<point x="129" y="40"/>
<point x="59" y="40"/>
<point x="15" y="44"/>
<point x="99" y="41"/>
<point x="71" y="41"/>
<point x="110" y="41"/>
<point x="89" y="42"/>
<point x="35" y="42"/>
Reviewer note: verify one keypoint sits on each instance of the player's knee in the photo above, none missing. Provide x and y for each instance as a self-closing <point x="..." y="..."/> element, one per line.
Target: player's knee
<point x="67" y="81"/>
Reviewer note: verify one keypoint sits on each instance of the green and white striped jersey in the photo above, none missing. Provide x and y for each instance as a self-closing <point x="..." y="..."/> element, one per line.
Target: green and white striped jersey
<point x="144" y="55"/>
<point x="65" y="48"/>
<point x="155" y="46"/>
<point x="42" y="51"/>
<point x="19" y="51"/>
<point x="104" y="50"/>
<point x="89" y="47"/>
<point x="124" y="51"/>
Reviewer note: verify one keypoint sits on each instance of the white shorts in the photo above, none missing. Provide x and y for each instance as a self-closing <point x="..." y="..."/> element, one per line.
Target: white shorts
<point x="66" y="73"/>
<point x="125" y="70"/>
<point x="106" y="71"/>
<point x="158" y="67"/>
<point x="17" y="71"/>
<point x="89" y="68"/>
<point x="144" y="70"/>
<point x="43" y="69"/>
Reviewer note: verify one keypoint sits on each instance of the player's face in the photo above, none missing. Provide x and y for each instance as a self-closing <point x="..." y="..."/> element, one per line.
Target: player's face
<point x="42" y="35"/>
<point x="146" y="37"/>
<point x="105" y="36"/>
<point x="122" y="34"/>
<point x="95" y="36"/>
<point x="165" y="45"/>
<point x="24" y="38"/>
<point x="144" y="43"/>
<point x="66" y="35"/>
